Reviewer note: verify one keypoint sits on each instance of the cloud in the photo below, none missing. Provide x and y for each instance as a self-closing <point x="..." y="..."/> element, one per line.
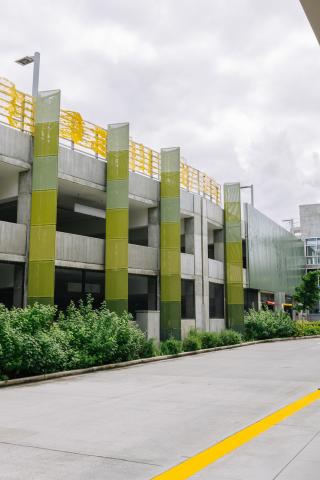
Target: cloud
<point x="235" y="83"/>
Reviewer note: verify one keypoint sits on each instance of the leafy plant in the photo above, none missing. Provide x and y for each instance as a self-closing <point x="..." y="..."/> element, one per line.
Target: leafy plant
<point x="263" y="324"/>
<point x="171" y="347"/>
<point x="307" y="294"/>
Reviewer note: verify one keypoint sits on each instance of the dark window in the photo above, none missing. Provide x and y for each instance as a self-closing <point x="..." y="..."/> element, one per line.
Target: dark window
<point x="8" y="212"/>
<point x="211" y="251"/>
<point x="139" y="236"/>
<point x="244" y="253"/>
<point x="216" y="300"/>
<point x="187" y="299"/>
<point x="11" y="284"/>
<point x="250" y="299"/>
<point x="73" y="285"/>
<point x="142" y="293"/>
<point x="183" y="243"/>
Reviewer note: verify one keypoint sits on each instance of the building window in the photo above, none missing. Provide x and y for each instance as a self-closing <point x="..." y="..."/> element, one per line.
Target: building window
<point x="216" y="300"/>
<point x="73" y="285"/>
<point x="142" y="293"/>
<point x="312" y="249"/>
<point x="187" y="299"/>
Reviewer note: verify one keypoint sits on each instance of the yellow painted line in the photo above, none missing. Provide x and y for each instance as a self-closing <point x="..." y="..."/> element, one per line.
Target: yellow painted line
<point x="200" y="461"/>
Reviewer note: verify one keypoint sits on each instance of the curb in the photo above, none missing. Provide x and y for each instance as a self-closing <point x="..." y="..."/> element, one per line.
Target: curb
<point x="131" y="363"/>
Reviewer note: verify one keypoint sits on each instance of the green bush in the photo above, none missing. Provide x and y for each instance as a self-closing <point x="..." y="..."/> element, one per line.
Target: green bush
<point x="230" y="337"/>
<point x="263" y="324"/>
<point x="171" y="347"/>
<point x="192" y="342"/>
<point x="211" y="340"/>
<point x="307" y="328"/>
<point x="33" y="340"/>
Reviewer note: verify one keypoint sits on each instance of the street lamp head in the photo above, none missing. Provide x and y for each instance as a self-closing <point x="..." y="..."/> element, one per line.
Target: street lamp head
<point x="25" y="61"/>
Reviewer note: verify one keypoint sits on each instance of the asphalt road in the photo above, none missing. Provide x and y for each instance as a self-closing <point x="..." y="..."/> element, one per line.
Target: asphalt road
<point x="137" y="422"/>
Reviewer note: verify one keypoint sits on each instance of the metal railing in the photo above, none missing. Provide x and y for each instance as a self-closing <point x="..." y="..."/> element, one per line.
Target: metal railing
<point x="17" y="110"/>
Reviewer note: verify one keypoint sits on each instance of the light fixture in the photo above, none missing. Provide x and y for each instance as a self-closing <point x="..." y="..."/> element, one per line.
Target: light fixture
<point x="25" y="60"/>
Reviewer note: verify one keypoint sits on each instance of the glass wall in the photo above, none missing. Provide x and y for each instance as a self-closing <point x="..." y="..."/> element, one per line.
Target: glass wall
<point x="275" y="257"/>
<point x="312" y="246"/>
<point x="142" y="293"/>
<point x="11" y="284"/>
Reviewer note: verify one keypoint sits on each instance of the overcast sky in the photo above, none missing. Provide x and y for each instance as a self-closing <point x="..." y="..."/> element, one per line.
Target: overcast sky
<point x="234" y="83"/>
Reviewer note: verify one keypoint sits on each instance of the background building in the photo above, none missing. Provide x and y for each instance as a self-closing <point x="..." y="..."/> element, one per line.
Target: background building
<point x="85" y="209"/>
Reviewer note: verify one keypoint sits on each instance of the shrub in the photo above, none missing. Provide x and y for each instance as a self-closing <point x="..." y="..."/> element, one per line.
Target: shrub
<point x="34" y="341"/>
<point x="150" y="349"/>
<point x="307" y="328"/>
<point x="211" y="340"/>
<point x="192" y="342"/>
<point x="171" y="347"/>
<point x="263" y="324"/>
<point x="230" y="337"/>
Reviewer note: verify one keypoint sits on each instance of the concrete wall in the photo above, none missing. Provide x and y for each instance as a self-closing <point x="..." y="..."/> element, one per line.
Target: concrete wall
<point x="216" y="271"/>
<point x="14" y="144"/>
<point x="310" y="220"/>
<point x="12" y="242"/>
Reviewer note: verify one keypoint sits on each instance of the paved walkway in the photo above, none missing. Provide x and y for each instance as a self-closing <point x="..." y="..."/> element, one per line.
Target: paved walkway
<point x="136" y="423"/>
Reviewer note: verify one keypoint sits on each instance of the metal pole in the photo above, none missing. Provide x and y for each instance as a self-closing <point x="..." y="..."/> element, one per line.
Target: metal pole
<point x="252" y="198"/>
<point x="36" y="69"/>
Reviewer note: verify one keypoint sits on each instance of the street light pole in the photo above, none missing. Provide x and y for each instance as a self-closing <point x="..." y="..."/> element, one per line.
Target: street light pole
<point x="36" y="71"/>
<point x="251" y="188"/>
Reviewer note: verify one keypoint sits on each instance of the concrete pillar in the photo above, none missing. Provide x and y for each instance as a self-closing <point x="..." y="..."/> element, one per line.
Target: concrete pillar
<point x="189" y="235"/>
<point x="23" y="216"/>
<point x="205" y="267"/>
<point x="18" y="286"/>
<point x="197" y="222"/>
<point x="153" y="227"/>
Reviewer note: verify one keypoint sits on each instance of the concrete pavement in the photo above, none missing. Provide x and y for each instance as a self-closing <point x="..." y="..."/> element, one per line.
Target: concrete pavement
<point x="137" y="422"/>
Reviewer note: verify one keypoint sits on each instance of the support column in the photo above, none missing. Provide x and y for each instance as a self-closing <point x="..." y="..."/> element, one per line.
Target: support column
<point x="170" y="260"/>
<point x="117" y="218"/>
<point x="42" y="243"/>
<point x="23" y="216"/>
<point x="233" y="257"/>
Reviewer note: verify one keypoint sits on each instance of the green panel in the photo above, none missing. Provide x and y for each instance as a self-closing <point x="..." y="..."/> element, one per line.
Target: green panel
<point x="170" y="287"/>
<point x="44" y="207"/>
<point x="46" y="139"/>
<point x="170" y="210"/>
<point x="117" y="194"/>
<point x="170" y="235"/>
<point x="117" y="284"/>
<point x="170" y="261"/>
<point x="170" y="184"/>
<point x="276" y="257"/>
<point x="47" y="106"/>
<point x="118" y="306"/>
<point x="42" y="242"/>
<point x="41" y="267"/>
<point x="236" y="313"/>
<point x="42" y="300"/>
<point x="117" y="253"/>
<point x="41" y="279"/>
<point x="117" y="223"/>
<point x="170" y="267"/>
<point x="45" y="173"/>
<point x="233" y="257"/>
<point x="117" y="218"/>
<point x="118" y="165"/>
<point x="170" y="320"/>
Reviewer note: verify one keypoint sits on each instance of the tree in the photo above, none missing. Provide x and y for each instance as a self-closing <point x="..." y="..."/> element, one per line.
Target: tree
<point x="307" y="294"/>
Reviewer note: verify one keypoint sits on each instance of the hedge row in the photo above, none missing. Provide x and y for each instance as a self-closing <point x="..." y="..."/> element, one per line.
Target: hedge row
<point x="39" y="339"/>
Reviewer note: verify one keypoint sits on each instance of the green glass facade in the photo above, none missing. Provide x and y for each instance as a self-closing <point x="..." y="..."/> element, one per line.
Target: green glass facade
<point x="233" y="257"/>
<point x="117" y="218"/>
<point x="41" y="267"/>
<point x="275" y="256"/>
<point x="170" y="263"/>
